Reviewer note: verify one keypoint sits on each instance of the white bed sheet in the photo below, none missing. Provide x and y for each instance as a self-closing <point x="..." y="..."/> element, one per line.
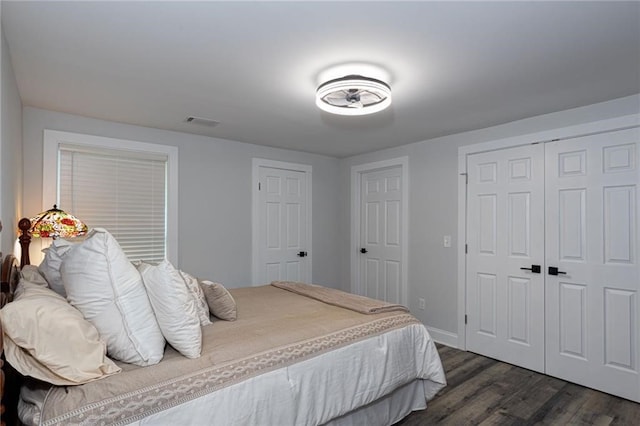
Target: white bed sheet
<point x="399" y="374"/>
<point x="325" y="387"/>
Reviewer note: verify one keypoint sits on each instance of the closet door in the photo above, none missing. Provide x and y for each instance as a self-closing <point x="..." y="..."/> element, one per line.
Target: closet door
<point x="592" y="304"/>
<point x="505" y="236"/>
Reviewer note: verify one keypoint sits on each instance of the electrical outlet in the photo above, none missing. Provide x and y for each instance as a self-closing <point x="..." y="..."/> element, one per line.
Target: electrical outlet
<point x="446" y="241"/>
<point x="421" y="304"/>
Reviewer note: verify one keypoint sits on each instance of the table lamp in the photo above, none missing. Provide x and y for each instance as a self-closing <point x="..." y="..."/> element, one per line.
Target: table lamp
<point x="53" y="223"/>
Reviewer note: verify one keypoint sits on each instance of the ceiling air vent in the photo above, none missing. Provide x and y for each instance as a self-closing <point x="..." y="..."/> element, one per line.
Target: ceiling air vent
<point x="201" y="121"/>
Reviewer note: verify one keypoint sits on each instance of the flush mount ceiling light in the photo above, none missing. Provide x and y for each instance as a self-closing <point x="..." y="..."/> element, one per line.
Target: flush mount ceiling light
<point x="353" y="95"/>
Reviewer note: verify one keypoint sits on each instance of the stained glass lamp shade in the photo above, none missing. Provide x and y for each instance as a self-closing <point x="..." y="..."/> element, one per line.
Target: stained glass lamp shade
<point x="55" y="223"/>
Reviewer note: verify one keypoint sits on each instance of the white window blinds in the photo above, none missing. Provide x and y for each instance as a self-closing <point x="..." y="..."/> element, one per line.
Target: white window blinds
<point x="124" y="192"/>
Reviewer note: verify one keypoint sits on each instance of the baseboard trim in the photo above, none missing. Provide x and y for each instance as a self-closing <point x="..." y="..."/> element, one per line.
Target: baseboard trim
<point x="444" y="337"/>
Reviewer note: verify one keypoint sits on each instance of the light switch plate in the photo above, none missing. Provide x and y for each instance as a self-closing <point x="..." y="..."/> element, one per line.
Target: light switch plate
<point x="446" y="241"/>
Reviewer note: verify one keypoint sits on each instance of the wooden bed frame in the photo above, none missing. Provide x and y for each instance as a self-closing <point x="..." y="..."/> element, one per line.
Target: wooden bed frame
<point x="9" y="378"/>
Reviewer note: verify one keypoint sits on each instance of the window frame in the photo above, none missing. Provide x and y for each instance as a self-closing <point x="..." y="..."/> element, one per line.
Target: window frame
<point x="53" y="139"/>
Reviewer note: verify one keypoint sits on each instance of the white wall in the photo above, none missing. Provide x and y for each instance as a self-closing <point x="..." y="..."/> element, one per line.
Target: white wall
<point x="215" y="197"/>
<point x="214" y="194"/>
<point x="433" y="178"/>
<point x="10" y="150"/>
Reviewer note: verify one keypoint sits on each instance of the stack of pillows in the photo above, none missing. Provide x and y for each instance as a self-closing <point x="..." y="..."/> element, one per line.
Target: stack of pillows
<point x="88" y="300"/>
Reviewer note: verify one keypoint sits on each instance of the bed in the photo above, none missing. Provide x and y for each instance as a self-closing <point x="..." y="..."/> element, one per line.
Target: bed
<point x="295" y="355"/>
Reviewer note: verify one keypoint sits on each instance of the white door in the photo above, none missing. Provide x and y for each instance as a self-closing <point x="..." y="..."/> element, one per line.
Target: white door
<point x="380" y="234"/>
<point x="283" y="249"/>
<point x="592" y="239"/>
<point x="505" y="237"/>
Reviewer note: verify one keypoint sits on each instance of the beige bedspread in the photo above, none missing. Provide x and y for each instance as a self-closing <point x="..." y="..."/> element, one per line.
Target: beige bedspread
<point x="334" y="297"/>
<point x="275" y="328"/>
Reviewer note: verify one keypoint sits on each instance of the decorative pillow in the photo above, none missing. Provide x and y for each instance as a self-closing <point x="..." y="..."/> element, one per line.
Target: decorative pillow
<point x="48" y="339"/>
<point x="220" y="301"/>
<point x="102" y="284"/>
<point x="29" y="277"/>
<point x="31" y="274"/>
<point x="174" y="307"/>
<point x="198" y="297"/>
<point x="50" y="265"/>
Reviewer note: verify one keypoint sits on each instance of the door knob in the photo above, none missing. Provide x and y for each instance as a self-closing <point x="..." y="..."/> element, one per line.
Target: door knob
<point x="534" y="269"/>
<point x="554" y="271"/>
<point x="363" y="250"/>
<point x="302" y="254"/>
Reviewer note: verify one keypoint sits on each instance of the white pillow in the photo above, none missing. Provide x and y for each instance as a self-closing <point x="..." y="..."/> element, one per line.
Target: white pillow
<point x="50" y="265"/>
<point x="102" y="284"/>
<point x="198" y="297"/>
<point x="174" y="307"/>
<point x="47" y="338"/>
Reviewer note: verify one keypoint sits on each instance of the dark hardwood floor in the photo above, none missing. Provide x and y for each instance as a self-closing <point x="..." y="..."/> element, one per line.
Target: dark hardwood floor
<point x="483" y="391"/>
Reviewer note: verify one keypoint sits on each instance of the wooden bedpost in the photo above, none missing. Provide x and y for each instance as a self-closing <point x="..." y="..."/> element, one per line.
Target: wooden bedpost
<point x="25" y="240"/>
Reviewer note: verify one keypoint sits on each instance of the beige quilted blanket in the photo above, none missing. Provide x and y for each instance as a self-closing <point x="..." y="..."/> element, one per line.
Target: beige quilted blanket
<point x="334" y="297"/>
<point x="275" y="328"/>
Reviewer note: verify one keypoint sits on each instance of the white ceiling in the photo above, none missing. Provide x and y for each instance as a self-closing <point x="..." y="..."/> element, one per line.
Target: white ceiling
<point x="254" y="66"/>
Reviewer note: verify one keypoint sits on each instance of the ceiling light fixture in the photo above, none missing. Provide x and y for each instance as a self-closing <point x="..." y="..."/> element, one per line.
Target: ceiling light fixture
<point x="353" y="95"/>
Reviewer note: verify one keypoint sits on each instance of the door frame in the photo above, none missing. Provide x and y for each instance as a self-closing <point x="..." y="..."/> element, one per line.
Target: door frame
<point x="256" y="163"/>
<point x="356" y="185"/>
<point x="579" y="130"/>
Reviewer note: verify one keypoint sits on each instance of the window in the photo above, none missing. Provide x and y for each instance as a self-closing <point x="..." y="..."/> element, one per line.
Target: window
<point x="123" y="186"/>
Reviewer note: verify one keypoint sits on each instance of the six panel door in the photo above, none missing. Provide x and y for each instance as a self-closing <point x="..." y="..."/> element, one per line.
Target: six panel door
<point x="283" y="245"/>
<point x="505" y="230"/>
<point x="380" y="221"/>
<point x="592" y="203"/>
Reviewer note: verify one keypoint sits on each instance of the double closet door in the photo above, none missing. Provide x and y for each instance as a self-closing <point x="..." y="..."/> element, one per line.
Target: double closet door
<point x="552" y="275"/>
